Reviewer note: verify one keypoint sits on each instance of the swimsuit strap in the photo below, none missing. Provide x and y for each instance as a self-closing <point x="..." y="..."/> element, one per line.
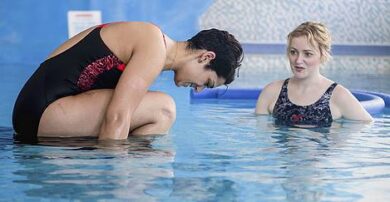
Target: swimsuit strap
<point x="163" y="35"/>
<point x="328" y="93"/>
<point x="283" y="91"/>
<point x="331" y="88"/>
<point x="103" y="25"/>
<point x="165" y="42"/>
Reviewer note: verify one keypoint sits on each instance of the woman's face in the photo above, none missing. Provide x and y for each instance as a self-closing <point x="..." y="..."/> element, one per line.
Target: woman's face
<point x="195" y="74"/>
<point x="304" y="58"/>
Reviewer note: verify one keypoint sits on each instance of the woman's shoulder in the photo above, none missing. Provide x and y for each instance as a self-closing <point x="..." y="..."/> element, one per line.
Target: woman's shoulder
<point x="138" y="26"/>
<point x="342" y="95"/>
<point x="274" y="86"/>
<point x="268" y="97"/>
<point x="272" y="90"/>
<point x="137" y="33"/>
<point x="127" y="38"/>
<point x="341" y="91"/>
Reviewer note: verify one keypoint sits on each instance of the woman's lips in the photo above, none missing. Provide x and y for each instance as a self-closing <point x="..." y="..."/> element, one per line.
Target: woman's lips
<point x="299" y="68"/>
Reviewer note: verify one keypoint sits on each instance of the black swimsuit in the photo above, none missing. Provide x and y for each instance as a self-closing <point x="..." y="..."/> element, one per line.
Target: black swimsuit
<point x="318" y="114"/>
<point x="88" y="65"/>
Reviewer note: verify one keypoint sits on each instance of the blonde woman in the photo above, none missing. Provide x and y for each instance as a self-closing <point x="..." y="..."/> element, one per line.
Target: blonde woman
<point x="307" y="97"/>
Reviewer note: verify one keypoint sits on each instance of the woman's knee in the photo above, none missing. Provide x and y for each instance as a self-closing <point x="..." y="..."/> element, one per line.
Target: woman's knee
<point x="155" y="114"/>
<point x="167" y="108"/>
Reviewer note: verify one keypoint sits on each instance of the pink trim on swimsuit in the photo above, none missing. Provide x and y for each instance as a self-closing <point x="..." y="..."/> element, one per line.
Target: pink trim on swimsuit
<point x="103" y="25"/>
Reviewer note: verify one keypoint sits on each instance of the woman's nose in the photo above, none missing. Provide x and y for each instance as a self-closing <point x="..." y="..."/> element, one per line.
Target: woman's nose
<point x="199" y="88"/>
<point x="299" y="59"/>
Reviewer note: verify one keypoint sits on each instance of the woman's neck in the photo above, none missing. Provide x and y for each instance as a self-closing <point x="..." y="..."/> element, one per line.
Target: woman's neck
<point x="307" y="82"/>
<point x="174" y="53"/>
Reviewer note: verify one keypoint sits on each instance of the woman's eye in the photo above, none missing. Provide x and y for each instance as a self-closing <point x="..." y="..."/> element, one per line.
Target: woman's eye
<point x="208" y="84"/>
<point x="308" y="54"/>
<point x="292" y="52"/>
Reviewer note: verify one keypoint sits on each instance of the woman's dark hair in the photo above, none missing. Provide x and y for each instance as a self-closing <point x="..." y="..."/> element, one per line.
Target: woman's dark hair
<point x="227" y="49"/>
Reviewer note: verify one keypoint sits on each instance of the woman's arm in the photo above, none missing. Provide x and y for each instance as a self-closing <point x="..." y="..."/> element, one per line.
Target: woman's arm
<point x="145" y="64"/>
<point x="267" y="99"/>
<point x="349" y="106"/>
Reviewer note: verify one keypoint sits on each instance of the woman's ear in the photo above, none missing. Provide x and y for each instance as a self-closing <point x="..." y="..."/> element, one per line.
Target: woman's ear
<point x="206" y="57"/>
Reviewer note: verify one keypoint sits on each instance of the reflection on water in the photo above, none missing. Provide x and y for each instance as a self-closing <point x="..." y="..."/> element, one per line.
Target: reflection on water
<point x="85" y="169"/>
<point x="218" y="152"/>
<point x="275" y="163"/>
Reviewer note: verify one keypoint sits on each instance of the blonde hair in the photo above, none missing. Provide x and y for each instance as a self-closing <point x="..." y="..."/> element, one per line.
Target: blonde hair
<point x="316" y="33"/>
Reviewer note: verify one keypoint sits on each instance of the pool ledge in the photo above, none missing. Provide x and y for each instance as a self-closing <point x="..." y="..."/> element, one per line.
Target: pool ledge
<point x="373" y="102"/>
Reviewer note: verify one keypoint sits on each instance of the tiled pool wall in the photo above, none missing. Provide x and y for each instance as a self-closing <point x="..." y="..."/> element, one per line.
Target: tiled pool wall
<point x="360" y="32"/>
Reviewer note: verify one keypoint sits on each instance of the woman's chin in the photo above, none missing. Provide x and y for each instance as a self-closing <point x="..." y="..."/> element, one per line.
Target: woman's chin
<point x="299" y="76"/>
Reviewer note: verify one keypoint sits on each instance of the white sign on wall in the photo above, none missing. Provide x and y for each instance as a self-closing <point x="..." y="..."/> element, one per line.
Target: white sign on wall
<point x="80" y="20"/>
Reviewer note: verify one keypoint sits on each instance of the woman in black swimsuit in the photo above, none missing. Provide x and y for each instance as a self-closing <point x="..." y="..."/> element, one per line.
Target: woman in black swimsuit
<point x="96" y="83"/>
<point x="308" y="98"/>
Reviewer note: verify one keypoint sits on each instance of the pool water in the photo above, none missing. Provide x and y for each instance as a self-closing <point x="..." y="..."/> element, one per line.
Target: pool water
<point x="217" y="151"/>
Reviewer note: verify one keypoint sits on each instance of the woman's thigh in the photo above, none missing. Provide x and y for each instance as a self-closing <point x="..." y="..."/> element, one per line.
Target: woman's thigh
<point x="83" y="114"/>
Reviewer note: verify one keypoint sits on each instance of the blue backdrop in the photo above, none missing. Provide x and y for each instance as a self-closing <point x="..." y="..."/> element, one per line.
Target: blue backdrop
<point x="30" y="30"/>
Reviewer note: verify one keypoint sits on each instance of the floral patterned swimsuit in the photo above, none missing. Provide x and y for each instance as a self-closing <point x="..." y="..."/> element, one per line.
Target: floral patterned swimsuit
<point x="317" y="114"/>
